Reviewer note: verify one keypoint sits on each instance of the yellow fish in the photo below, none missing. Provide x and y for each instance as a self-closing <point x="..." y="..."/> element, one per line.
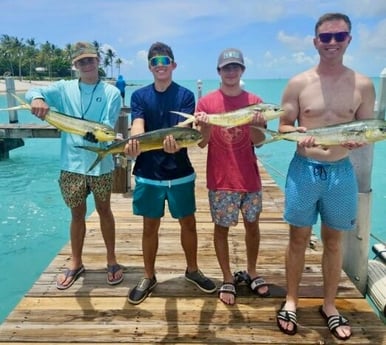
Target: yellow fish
<point x="361" y="131"/>
<point x="153" y="140"/>
<point x="71" y="124"/>
<point x="238" y="117"/>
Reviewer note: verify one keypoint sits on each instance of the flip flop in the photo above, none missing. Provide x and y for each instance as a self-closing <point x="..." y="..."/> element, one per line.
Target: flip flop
<point x="227" y="288"/>
<point x="114" y="269"/>
<point x="257" y="283"/>
<point x="254" y="284"/>
<point x="73" y="274"/>
<point x="287" y="316"/>
<point x="333" y="322"/>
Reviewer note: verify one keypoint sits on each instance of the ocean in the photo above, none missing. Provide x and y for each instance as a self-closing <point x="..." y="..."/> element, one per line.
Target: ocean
<point x="34" y="220"/>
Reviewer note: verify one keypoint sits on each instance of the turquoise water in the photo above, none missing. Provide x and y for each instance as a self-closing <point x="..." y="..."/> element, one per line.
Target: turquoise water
<point x="34" y="220"/>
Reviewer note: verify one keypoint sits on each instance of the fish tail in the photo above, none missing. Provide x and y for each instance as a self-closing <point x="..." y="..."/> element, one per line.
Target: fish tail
<point x="17" y="107"/>
<point x="100" y="152"/>
<point x="190" y="118"/>
<point x="274" y="135"/>
<point x="22" y="106"/>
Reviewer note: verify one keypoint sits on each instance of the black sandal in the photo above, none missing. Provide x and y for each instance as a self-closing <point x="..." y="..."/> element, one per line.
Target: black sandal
<point x="287" y="316"/>
<point x="333" y="322"/>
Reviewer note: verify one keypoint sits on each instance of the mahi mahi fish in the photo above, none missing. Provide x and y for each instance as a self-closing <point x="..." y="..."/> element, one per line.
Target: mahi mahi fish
<point x="153" y="140"/>
<point x="71" y="124"/>
<point x="238" y="117"/>
<point x="361" y="131"/>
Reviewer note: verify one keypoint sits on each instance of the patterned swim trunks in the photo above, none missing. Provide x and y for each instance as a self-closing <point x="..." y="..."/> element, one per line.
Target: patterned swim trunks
<point x="76" y="187"/>
<point x="225" y="206"/>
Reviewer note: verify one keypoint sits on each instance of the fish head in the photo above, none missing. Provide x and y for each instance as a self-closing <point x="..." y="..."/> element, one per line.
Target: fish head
<point x="104" y="134"/>
<point x="270" y="111"/>
<point x="381" y="130"/>
<point x="186" y="136"/>
<point x="374" y="130"/>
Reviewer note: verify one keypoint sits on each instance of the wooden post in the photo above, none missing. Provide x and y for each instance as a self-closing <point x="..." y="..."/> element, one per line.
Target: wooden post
<point x="11" y="101"/>
<point x="122" y="172"/>
<point x="356" y="243"/>
<point x="199" y="88"/>
<point x="9" y="144"/>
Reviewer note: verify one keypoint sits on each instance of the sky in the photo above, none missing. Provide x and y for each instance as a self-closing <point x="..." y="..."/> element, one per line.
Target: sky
<point x="275" y="36"/>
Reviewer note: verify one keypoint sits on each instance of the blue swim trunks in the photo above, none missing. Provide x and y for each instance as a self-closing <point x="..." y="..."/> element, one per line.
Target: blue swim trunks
<point x="149" y="197"/>
<point x="319" y="187"/>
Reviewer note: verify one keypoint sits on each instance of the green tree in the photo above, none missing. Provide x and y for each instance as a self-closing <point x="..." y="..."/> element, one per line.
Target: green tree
<point x="110" y="55"/>
<point x="30" y="54"/>
<point x="118" y="63"/>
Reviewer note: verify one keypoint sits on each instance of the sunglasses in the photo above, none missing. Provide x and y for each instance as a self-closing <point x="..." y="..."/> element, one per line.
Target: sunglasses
<point x="326" y="37"/>
<point x="86" y="61"/>
<point x="160" y="60"/>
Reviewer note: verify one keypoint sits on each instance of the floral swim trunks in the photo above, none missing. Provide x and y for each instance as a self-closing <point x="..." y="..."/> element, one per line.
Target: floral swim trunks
<point x="225" y="206"/>
<point x="76" y="187"/>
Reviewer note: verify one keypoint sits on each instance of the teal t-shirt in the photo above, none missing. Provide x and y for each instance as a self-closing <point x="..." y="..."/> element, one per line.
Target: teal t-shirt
<point x="99" y="102"/>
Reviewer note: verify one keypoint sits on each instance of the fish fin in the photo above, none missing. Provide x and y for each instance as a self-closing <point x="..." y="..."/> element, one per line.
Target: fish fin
<point x="100" y="152"/>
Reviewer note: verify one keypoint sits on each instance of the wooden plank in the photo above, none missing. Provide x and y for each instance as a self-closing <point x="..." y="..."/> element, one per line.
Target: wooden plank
<point x="92" y="312"/>
<point x="27" y="130"/>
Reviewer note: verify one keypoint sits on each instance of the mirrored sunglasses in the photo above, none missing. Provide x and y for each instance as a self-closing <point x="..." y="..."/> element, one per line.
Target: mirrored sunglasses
<point x="326" y="37"/>
<point x="160" y="60"/>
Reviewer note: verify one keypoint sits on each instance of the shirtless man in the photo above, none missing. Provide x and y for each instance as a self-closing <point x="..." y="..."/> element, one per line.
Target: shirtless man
<point x="322" y="180"/>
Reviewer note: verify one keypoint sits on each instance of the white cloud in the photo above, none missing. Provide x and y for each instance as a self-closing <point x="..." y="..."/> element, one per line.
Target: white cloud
<point x="293" y="42"/>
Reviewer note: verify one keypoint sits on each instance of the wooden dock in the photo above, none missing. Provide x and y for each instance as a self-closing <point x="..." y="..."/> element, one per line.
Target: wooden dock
<point x="92" y="312"/>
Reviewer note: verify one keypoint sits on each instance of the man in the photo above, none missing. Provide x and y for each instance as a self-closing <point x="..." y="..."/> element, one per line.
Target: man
<point x="162" y="175"/>
<point x="322" y="180"/>
<point x="238" y="186"/>
<point x="121" y="85"/>
<point x="87" y="98"/>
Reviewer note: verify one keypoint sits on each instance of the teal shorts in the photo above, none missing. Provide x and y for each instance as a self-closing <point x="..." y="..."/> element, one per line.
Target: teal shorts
<point x="325" y="188"/>
<point x="150" y="196"/>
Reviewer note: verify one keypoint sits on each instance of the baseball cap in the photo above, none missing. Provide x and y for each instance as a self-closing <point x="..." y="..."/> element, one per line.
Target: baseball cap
<point x="83" y="50"/>
<point x="230" y="55"/>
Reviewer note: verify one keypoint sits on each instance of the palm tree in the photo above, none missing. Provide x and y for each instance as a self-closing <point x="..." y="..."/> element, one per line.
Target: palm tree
<point x="7" y="44"/>
<point x="19" y="47"/>
<point x="110" y="55"/>
<point x="118" y="63"/>
<point x="106" y="63"/>
<point x="30" y="54"/>
<point x="68" y="52"/>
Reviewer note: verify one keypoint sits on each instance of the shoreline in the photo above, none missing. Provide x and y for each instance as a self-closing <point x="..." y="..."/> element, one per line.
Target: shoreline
<point x="23" y="85"/>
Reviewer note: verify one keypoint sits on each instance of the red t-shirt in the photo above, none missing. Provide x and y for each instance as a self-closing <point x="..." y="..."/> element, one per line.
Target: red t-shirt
<point x="231" y="163"/>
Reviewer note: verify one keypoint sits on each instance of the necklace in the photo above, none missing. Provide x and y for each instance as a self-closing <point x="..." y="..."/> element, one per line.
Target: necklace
<point x="87" y="93"/>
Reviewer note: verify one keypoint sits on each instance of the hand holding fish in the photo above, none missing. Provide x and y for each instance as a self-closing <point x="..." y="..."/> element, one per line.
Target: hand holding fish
<point x="203" y="125"/>
<point x="39" y="108"/>
<point x="258" y="120"/>
<point x="352" y="145"/>
<point x="170" y="144"/>
<point x="307" y="140"/>
<point x="350" y="135"/>
<point x="132" y="148"/>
